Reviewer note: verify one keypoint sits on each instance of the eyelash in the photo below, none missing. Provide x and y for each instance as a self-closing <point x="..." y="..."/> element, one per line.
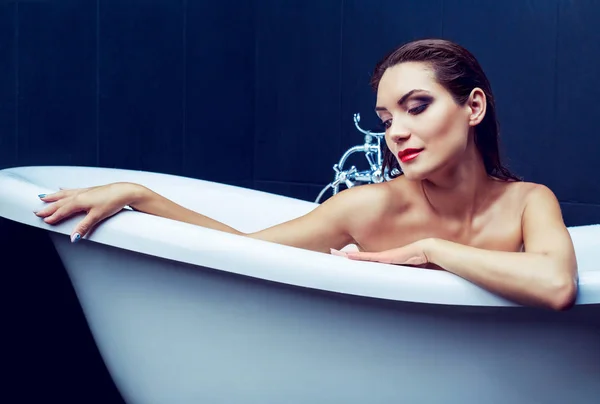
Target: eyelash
<point x="412" y="111"/>
<point x="418" y="110"/>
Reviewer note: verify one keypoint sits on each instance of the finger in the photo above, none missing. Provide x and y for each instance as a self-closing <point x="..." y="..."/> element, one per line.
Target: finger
<point x="339" y="253"/>
<point x="388" y="258"/>
<point x="416" y="261"/>
<point x="63" y="193"/>
<point x="365" y="256"/>
<point x="50" y="209"/>
<point x="72" y="189"/>
<point x="383" y="257"/>
<point x="62" y="212"/>
<point x="53" y="197"/>
<point x="85" y="225"/>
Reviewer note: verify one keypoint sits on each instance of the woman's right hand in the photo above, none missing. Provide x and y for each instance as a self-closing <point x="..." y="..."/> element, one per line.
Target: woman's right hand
<point x="99" y="203"/>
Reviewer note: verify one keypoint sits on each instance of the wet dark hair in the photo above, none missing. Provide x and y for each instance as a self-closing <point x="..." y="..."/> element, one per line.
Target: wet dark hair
<point x="457" y="70"/>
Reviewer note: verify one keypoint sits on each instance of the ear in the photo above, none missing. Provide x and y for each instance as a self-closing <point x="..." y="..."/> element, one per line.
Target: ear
<point x="476" y="106"/>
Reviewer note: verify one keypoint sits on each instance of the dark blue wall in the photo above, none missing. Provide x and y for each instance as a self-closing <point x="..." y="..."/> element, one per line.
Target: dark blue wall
<point x="261" y="93"/>
<point x="163" y="86"/>
<point x="314" y="60"/>
<point x="263" y="97"/>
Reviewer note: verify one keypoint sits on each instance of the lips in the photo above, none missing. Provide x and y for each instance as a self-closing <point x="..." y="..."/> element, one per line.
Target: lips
<point x="408" y="154"/>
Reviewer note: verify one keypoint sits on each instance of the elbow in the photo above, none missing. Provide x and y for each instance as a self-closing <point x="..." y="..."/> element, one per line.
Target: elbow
<point x="563" y="293"/>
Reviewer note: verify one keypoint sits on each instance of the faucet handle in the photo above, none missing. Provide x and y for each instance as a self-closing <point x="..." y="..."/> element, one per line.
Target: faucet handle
<point x="344" y="176"/>
<point x="377" y="176"/>
<point x="350" y="174"/>
<point x="388" y="175"/>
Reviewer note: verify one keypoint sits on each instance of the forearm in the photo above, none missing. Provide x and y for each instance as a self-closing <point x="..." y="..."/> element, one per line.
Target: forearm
<point x="145" y="200"/>
<point x="528" y="278"/>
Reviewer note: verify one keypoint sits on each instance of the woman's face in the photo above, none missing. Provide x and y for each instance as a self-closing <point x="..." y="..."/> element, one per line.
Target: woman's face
<point x="425" y="128"/>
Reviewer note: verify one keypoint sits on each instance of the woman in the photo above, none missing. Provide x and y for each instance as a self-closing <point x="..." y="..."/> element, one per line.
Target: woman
<point x="454" y="206"/>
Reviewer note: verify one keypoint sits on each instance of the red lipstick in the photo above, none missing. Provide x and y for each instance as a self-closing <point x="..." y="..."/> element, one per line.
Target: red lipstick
<point x="408" y="154"/>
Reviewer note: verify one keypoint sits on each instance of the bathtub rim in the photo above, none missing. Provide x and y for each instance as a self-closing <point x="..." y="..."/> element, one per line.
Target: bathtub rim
<point x="178" y="241"/>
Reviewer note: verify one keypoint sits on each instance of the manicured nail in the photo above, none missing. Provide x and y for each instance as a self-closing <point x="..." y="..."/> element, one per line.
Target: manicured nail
<point x="75" y="237"/>
<point x="41" y="195"/>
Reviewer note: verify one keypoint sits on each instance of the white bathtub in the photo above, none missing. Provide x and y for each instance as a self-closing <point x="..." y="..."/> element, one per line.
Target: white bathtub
<point x="183" y="314"/>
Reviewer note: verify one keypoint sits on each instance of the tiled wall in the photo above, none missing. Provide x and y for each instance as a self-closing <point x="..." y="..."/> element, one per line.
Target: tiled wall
<point x="162" y="85"/>
<point x="261" y="93"/>
<point x="539" y="55"/>
<point x="258" y="93"/>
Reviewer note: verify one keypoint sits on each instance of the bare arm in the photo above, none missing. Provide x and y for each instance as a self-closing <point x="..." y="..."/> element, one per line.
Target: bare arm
<point x="545" y="274"/>
<point x="145" y="200"/>
<point x="327" y="226"/>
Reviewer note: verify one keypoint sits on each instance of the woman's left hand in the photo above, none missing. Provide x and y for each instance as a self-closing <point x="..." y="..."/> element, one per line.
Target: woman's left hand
<point x="410" y="254"/>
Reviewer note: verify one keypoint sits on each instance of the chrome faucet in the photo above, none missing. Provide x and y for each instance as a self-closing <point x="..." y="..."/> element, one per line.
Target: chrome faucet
<point x="374" y="155"/>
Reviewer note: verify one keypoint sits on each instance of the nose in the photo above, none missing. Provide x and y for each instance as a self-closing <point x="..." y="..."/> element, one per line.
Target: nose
<point x="397" y="132"/>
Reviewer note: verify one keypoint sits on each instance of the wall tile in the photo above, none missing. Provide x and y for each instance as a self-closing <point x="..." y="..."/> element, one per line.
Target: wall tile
<point x="579" y="214"/>
<point x="573" y="160"/>
<point x="141" y="78"/>
<point x="8" y="104"/>
<point x="306" y="192"/>
<point x="369" y="33"/>
<point x="57" y="82"/>
<point x="219" y="91"/>
<point x="298" y="50"/>
<point x="515" y="43"/>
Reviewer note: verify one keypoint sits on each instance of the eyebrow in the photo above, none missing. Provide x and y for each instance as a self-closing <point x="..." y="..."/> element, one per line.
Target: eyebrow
<point x="403" y="99"/>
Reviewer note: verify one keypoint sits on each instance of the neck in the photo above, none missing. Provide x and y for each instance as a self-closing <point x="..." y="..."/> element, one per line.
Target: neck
<point x="457" y="191"/>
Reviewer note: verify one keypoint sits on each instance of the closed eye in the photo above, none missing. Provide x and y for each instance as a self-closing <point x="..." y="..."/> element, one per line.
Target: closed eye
<point x="418" y="110"/>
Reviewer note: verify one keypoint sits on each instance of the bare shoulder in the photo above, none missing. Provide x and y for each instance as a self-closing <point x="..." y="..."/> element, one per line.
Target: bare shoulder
<point x="364" y="199"/>
<point x="531" y="204"/>
<point x="535" y="196"/>
<point x="540" y="192"/>
<point x="527" y="194"/>
<point x="367" y="204"/>
<point x="523" y="189"/>
<point x="543" y="226"/>
<point x="331" y="224"/>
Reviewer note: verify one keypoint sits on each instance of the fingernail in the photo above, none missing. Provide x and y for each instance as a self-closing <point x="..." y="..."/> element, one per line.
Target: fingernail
<point x="75" y="237"/>
<point x="41" y="195"/>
